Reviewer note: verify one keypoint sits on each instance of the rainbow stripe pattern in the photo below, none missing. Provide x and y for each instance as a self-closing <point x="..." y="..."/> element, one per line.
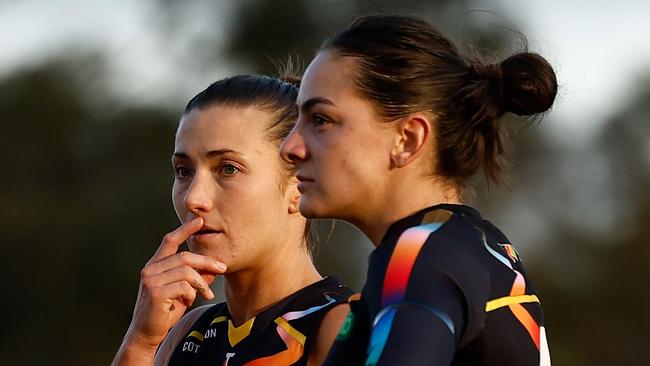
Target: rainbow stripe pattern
<point x="292" y="338"/>
<point x="396" y="279"/>
<point x="517" y="294"/>
<point x="401" y="262"/>
<point x="510" y="251"/>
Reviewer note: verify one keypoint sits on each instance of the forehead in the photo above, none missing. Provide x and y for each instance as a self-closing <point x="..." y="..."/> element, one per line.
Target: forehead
<point x="328" y="76"/>
<point x="222" y="126"/>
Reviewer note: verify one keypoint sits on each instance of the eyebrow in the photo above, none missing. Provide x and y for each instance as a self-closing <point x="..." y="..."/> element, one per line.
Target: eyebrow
<point x="310" y="103"/>
<point x="210" y="154"/>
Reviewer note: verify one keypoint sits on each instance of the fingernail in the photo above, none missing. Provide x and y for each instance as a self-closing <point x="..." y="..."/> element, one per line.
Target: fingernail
<point x="220" y="266"/>
<point x="211" y="294"/>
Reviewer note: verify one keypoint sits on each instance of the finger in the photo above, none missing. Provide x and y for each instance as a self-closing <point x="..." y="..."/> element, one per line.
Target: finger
<point x="201" y="263"/>
<point x="182" y="274"/>
<point x="181" y="291"/>
<point x="191" y="276"/>
<point x="171" y="241"/>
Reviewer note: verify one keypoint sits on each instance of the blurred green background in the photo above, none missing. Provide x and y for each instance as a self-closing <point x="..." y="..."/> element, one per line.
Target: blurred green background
<point x="90" y="93"/>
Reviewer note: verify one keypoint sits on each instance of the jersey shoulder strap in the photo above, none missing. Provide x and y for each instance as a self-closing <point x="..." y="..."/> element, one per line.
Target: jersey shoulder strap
<point x="176" y="334"/>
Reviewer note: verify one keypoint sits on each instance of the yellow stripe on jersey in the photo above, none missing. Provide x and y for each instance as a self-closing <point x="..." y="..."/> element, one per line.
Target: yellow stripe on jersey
<point x="291" y="330"/>
<point x="196" y="335"/>
<point x="509" y="300"/>
<point x="438" y="215"/>
<point x="219" y="319"/>
<point x="237" y="334"/>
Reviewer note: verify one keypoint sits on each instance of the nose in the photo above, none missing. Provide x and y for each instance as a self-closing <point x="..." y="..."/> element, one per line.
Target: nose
<point x="198" y="197"/>
<point x="293" y="147"/>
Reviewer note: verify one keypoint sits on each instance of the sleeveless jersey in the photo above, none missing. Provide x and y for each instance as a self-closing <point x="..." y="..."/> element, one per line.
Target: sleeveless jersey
<point x="444" y="287"/>
<point x="279" y="335"/>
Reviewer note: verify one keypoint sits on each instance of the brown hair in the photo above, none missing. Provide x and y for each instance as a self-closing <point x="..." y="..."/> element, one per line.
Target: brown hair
<point x="274" y="95"/>
<point x="404" y="66"/>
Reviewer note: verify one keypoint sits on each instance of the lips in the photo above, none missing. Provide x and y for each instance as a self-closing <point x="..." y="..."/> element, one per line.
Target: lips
<point x="206" y="232"/>
<point x="303" y="182"/>
<point x="302" y="178"/>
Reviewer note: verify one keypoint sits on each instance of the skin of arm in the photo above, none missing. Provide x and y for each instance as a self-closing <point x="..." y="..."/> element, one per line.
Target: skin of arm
<point x="134" y="352"/>
<point x="329" y="328"/>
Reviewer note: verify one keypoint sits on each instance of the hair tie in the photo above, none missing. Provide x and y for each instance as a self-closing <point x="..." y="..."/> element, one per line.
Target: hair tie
<point x="491" y="72"/>
<point x="494" y="76"/>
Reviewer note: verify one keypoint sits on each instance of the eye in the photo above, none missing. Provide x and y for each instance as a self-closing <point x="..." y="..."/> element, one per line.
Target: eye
<point x="319" y="119"/>
<point x="229" y="169"/>
<point x="182" y="172"/>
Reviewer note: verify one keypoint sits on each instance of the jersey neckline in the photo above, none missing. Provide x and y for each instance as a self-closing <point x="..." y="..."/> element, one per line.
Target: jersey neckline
<point x="415" y="219"/>
<point x="269" y="314"/>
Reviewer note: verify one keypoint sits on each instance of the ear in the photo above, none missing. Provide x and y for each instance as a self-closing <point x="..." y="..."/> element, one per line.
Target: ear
<point x="413" y="135"/>
<point x="293" y="195"/>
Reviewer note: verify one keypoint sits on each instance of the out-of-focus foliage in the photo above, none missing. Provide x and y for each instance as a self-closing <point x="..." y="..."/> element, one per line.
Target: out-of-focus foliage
<point x="85" y="182"/>
<point x="259" y="33"/>
<point x="84" y="193"/>
<point x="596" y="286"/>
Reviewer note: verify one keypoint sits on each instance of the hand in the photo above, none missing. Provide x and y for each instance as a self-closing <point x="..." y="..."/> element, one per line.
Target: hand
<point x="169" y="283"/>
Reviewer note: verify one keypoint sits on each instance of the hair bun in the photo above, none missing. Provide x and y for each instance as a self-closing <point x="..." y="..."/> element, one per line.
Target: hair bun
<point x="528" y="84"/>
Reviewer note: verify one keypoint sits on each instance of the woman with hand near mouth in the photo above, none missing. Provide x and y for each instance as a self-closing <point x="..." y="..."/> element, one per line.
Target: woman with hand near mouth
<point x="393" y="123"/>
<point x="238" y="203"/>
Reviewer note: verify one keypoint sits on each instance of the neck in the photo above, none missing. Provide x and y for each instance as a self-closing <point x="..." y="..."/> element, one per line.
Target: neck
<point x="403" y="200"/>
<point x="252" y="290"/>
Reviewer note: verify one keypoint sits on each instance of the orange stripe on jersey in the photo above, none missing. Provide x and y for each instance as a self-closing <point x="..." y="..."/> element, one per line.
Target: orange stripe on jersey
<point x="287" y="357"/>
<point x="527" y="321"/>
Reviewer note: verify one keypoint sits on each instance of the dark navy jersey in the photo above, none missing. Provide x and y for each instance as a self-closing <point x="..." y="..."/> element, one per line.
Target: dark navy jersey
<point x="279" y="335"/>
<point x="444" y="287"/>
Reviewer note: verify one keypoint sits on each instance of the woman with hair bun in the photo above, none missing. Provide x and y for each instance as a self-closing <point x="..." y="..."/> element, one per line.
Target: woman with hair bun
<point x="393" y="122"/>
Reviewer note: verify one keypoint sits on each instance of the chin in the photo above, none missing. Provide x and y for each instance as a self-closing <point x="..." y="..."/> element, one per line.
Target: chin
<point x="312" y="210"/>
<point x="219" y="255"/>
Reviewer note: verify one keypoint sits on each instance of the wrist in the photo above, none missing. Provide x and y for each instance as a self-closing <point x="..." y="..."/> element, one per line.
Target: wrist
<point x="135" y="350"/>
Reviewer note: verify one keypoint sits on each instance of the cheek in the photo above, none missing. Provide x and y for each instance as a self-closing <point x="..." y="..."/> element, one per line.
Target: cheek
<point x="332" y="153"/>
<point x="246" y="205"/>
<point x="177" y="200"/>
<point x="252" y="214"/>
<point x="360" y="169"/>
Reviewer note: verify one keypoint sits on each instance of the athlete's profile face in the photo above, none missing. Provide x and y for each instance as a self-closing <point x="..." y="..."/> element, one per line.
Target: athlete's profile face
<point x="339" y="145"/>
<point x="228" y="173"/>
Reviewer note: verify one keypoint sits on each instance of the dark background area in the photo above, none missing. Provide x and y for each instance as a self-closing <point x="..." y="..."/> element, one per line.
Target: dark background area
<point x="85" y="184"/>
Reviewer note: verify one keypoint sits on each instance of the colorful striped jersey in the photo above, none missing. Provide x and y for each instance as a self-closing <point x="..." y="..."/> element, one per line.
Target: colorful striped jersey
<point x="279" y="335"/>
<point x="444" y="287"/>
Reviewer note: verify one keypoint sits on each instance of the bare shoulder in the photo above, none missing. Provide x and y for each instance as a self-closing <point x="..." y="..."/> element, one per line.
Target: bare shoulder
<point x="177" y="332"/>
<point x="329" y="328"/>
